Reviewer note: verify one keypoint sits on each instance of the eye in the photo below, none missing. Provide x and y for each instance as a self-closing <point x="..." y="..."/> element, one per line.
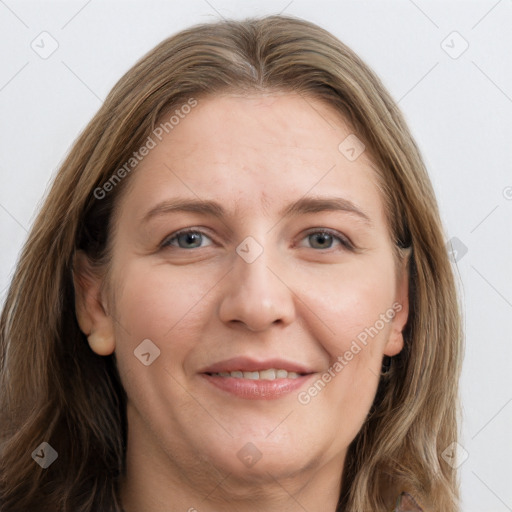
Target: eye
<point x="324" y="238"/>
<point x="192" y="238"/>
<point x="186" y="239"/>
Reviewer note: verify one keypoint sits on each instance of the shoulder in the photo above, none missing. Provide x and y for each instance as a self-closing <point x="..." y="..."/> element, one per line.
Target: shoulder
<point x="406" y="503"/>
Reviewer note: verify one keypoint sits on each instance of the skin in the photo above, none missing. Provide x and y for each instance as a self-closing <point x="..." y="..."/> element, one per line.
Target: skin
<point x="202" y="303"/>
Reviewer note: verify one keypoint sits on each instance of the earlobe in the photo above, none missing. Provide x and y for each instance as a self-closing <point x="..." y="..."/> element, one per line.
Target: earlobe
<point x="91" y="314"/>
<point x="101" y="344"/>
<point x="395" y="343"/>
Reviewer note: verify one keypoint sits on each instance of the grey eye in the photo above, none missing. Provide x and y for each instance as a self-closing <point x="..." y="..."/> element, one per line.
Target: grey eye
<point x="324" y="239"/>
<point x="321" y="240"/>
<point x="190" y="239"/>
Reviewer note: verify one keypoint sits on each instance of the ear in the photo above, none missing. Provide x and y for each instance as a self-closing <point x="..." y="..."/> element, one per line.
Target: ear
<point x="90" y="306"/>
<point x="395" y="342"/>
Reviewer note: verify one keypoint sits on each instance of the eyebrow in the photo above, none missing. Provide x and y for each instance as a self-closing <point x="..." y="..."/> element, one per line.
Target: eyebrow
<point x="302" y="206"/>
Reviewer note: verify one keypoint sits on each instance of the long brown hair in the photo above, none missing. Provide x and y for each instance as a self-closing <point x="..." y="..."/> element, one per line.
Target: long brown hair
<point x="56" y="390"/>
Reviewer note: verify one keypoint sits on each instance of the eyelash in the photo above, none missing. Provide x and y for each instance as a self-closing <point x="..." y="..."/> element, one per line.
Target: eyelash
<point x="345" y="243"/>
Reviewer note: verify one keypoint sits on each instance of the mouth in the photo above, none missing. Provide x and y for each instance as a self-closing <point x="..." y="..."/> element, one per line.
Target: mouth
<point x="270" y="374"/>
<point x="256" y="380"/>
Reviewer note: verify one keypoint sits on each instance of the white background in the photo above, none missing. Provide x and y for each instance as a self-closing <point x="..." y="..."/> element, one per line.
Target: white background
<point x="459" y="110"/>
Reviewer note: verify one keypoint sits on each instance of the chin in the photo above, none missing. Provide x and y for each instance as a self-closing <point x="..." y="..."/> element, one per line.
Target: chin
<point x="260" y="460"/>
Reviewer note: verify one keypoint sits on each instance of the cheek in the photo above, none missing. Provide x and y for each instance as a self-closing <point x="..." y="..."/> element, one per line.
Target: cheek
<point x="350" y="312"/>
<point x="349" y="307"/>
<point x="161" y="303"/>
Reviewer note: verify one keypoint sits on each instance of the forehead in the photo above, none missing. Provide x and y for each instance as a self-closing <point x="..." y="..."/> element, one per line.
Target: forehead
<point x="258" y="150"/>
<point x="282" y="123"/>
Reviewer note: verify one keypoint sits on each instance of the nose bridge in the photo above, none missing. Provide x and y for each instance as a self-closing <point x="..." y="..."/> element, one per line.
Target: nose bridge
<point x="255" y="295"/>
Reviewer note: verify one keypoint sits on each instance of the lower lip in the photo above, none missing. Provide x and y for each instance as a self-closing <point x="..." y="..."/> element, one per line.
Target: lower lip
<point x="257" y="389"/>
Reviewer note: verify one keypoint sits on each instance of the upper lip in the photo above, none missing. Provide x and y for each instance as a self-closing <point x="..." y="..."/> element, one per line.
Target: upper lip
<point x="247" y="364"/>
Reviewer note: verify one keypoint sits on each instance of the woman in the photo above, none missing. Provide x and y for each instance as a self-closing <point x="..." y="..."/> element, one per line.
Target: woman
<point x="302" y="353"/>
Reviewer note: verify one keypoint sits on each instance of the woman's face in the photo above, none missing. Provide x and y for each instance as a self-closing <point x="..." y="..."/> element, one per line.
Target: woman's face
<point x="253" y="345"/>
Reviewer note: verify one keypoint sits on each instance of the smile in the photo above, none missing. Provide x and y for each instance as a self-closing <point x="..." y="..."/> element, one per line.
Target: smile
<point x="270" y="374"/>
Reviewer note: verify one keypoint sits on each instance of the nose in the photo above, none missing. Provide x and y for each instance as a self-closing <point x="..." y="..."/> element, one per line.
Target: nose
<point x="256" y="294"/>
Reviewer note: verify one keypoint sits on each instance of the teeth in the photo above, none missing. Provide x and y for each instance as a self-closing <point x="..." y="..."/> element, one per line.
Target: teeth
<point x="269" y="374"/>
